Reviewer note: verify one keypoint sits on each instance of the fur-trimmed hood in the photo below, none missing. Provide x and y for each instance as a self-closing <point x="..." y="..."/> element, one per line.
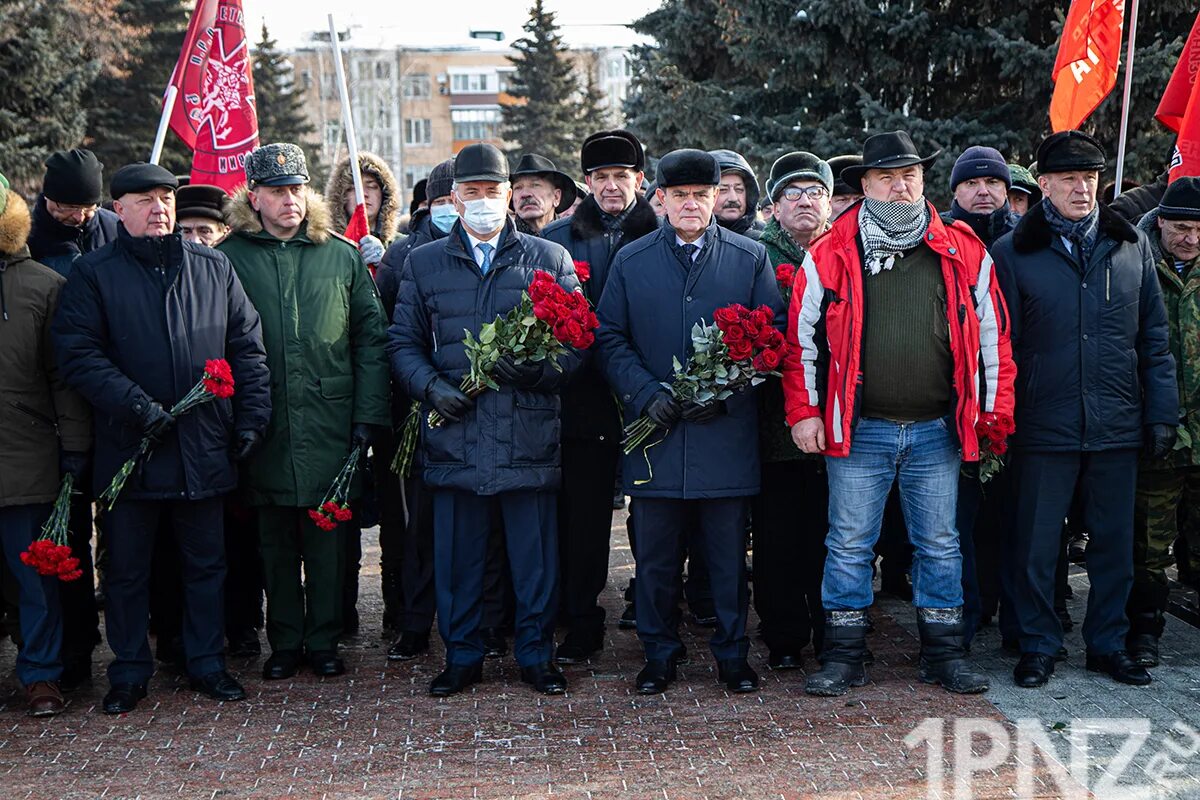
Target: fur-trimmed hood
<point x="587" y="222"/>
<point x="387" y="224"/>
<point x="1033" y="231"/>
<point x="15" y="223"/>
<point x="244" y="219"/>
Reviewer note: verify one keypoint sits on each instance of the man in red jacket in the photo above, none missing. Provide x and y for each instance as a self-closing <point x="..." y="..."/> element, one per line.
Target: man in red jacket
<point x="908" y="381"/>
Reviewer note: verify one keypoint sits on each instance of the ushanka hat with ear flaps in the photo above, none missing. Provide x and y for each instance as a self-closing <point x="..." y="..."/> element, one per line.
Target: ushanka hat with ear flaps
<point x="278" y="164"/>
<point x="688" y="167"/>
<point x="798" y="166"/>
<point x="893" y="150"/>
<point x="198" y="200"/>
<point x="1070" y="151"/>
<point x="612" y="149"/>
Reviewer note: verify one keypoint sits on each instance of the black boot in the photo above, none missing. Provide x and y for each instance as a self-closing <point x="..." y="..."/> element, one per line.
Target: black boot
<point x="843" y="655"/>
<point x="943" y="653"/>
<point x="1145" y="628"/>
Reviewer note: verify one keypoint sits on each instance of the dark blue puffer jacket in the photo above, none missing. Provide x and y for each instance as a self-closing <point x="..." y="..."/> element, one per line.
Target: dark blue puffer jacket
<point x="58" y="246"/>
<point x="510" y="440"/>
<point x="1094" y="364"/>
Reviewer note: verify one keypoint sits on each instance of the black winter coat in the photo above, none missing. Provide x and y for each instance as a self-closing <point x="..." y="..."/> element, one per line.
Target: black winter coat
<point x="650" y="304"/>
<point x="510" y="440"/>
<point x="136" y="322"/>
<point x="58" y="246"/>
<point x="988" y="227"/>
<point x="590" y="410"/>
<point x="387" y="276"/>
<point x="1141" y="200"/>
<point x="1091" y="343"/>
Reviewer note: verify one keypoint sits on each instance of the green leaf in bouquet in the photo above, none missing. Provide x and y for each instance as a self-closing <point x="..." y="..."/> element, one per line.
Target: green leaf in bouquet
<point x="529" y="321"/>
<point x="756" y="380"/>
<point x="724" y="394"/>
<point x="487" y="334"/>
<point x="704" y="395"/>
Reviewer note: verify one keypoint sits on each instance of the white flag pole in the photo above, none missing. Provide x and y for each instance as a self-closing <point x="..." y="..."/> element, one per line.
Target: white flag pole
<point x="164" y="122"/>
<point x="1125" y="103"/>
<point x="347" y="116"/>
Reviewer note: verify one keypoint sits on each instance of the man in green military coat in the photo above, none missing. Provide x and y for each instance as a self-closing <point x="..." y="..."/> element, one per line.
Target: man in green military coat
<point x="1168" y="489"/>
<point x="324" y="332"/>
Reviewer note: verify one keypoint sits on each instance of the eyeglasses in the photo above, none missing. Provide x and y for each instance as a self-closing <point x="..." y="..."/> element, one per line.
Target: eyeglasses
<point x="794" y="193"/>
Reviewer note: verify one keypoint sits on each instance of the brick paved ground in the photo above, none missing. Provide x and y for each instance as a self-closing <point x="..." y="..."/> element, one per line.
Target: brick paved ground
<point x="376" y="733"/>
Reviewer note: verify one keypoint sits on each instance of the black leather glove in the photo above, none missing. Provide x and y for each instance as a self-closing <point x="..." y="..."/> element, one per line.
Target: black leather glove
<point x="1160" y="439"/>
<point x="156" y="420"/>
<point x="523" y="376"/>
<point x="72" y="463"/>
<point x="245" y="444"/>
<point x="663" y="409"/>
<point x="361" y="436"/>
<point x="448" y="400"/>
<point x="703" y="412"/>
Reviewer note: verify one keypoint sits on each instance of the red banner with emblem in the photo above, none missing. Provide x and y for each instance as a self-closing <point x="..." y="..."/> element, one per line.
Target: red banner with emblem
<point x="214" y="113"/>
<point x="1086" y="68"/>
<point x="1179" y="108"/>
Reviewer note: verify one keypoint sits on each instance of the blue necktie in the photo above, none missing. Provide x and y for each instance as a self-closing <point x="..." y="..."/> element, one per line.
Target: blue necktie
<point x="486" y="249"/>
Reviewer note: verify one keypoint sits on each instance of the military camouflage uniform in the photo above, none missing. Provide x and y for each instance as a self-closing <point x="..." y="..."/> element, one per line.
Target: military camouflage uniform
<point x="1168" y="490"/>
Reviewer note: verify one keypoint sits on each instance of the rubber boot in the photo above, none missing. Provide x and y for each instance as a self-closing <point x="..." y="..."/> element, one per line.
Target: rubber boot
<point x="944" y="652"/>
<point x="842" y="656"/>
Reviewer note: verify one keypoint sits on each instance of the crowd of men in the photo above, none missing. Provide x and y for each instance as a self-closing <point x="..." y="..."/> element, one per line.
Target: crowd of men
<point x="911" y="334"/>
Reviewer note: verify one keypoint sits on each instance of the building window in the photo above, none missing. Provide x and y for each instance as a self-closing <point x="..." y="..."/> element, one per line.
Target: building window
<point x="472" y="84"/>
<point x="383" y="70"/>
<point x="333" y="135"/>
<point x="363" y="68"/>
<point x="417" y="86"/>
<point x="306" y="78"/>
<point x="475" y="123"/>
<point x="418" y="132"/>
<point x="414" y="174"/>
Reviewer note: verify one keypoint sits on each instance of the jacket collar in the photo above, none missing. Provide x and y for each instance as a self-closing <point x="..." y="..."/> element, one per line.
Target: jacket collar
<point x="588" y="223"/>
<point x="1033" y="231"/>
<point x="153" y="251"/>
<point x="775" y="235"/>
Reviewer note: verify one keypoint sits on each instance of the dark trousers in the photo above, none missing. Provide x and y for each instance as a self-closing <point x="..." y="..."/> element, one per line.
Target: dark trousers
<point x="790" y="519"/>
<point x="304" y="613"/>
<point x="81" y="618"/>
<point x="697" y="585"/>
<point x="418" y="595"/>
<point x="198" y="528"/>
<point x="658" y="551"/>
<point x="37" y="596"/>
<point x="585" y="515"/>
<point x="970" y="498"/>
<point x="463" y="523"/>
<point x="391" y="497"/>
<point x="1045" y="484"/>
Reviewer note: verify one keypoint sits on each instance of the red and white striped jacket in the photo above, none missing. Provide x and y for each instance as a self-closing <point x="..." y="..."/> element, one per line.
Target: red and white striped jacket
<point x="825" y="323"/>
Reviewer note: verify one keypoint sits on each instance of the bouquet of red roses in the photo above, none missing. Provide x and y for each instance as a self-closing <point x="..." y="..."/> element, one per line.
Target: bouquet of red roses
<point x="785" y="276"/>
<point x="583" y="270"/>
<point x="993" y="431"/>
<point x="335" y="506"/>
<point x="740" y="350"/>
<point x="547" y="321"/>
<point x="215" y="383"/>
<point x="50" y="554"/>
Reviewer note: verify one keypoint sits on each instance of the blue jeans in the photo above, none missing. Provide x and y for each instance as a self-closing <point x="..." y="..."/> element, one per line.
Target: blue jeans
<point x="41" y="617"/>
<point x="925" y="457"/>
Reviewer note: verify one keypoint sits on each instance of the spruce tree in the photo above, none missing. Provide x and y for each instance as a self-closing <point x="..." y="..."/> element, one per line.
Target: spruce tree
<point x="593" y="114"/>
<point x="545" y="118"/>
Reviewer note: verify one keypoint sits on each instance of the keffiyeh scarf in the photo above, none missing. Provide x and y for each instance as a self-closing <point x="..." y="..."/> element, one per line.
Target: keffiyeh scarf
<point x="889" y="229"/>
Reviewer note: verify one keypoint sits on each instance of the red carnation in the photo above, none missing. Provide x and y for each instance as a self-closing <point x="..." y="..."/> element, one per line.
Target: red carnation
<point x="785" y="274"/>
<point x="343" y="514"/>
<point x="583" y="271"/>
<point x="329" y="506"/>
<point x="218" y="378"/>
<point x="316" y="516"/>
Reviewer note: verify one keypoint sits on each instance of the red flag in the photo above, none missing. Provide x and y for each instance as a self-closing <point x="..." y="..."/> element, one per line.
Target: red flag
<point x="214" y="113"/>
<point x="1086" y="68"/>
<point x="357" y="228"/>
<point x="1174" y="101"/>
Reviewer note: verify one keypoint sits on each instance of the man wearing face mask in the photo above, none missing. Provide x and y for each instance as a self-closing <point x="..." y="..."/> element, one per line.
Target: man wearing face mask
<point x="980" y="182"/>
<point x="610" y="217"/>
<point x="497" y="456"/>
<point x="136" y="323"/>
<point x="706" y="466"/>
<point x="324" y="333"/>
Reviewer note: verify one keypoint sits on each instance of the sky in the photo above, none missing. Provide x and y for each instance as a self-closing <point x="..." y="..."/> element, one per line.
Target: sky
<point x="376" y="23"/>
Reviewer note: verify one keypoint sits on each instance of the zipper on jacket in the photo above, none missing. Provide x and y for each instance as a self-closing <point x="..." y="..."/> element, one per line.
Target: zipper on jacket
<point x="31" y="412"/>
<point x="1108" y="282"/>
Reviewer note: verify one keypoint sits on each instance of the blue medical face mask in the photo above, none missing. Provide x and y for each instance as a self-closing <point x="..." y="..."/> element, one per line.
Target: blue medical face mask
<point x="443" y="216"/>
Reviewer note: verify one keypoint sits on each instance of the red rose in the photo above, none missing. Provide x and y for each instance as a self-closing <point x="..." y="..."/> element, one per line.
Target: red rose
<point x="734" y="333"/>
<point x="724" y="317"/>
<point x="560" y="331"/>
<point x="583" y="271"/>
<point x="1000" y="447"/>
<point x="574" y="330"/>
<point x="586" y="339"/>
<point x="741" y="350"/>
<point x="772" y="358"/>
<point x="753" y="326"/>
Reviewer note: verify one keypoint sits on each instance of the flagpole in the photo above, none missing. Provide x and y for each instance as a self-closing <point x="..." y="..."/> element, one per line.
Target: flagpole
<point x="1125" y="103"/>
<point x="347" y="116"/>
<point x="164" y="122"/>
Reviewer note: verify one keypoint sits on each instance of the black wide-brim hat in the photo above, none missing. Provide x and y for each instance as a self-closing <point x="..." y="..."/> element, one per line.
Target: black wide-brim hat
<point x="894" y="150"/>
<point x="533" y="164"/>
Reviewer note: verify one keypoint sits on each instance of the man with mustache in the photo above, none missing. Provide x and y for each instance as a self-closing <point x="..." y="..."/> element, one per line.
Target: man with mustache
<point x="737" y="195"/>
<point x="539" y="193"/>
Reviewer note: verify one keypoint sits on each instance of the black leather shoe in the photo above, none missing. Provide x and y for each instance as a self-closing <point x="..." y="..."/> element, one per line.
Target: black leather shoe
<point x="1033" y="670"/>
<point x="494" y="643"/>
<point x="326" y="663"/>
<point x="628" y="620"/>
<point x="455" y="678"/>
<point x="785" y="659"/>
<point x="546" y="678"/>
<point x="1120" y="667"/>
<point x="123" y="697"/>
<point x="655" y="677"/>
<point x="410" y="645"/>
<point x="1143" y="649"/>
<point x="737" y="675"/>
<point x="243" y="644"/>
<point x="219" y="685"/>
<point x="576" y="650"/>
<point x="281" y="665"/>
